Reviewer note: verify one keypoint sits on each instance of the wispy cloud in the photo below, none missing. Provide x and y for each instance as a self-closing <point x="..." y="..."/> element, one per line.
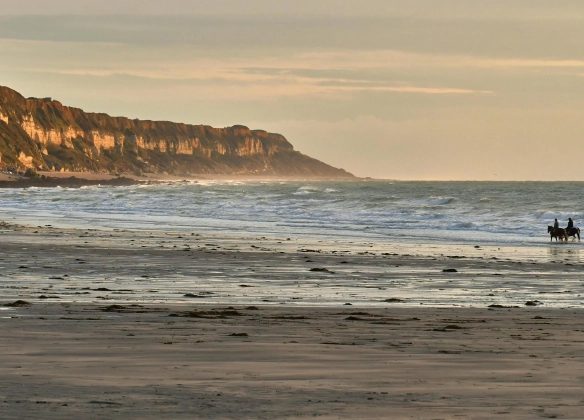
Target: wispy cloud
<point x="269" y="75"/>
<point x="396" y="58"/>
<point x="262" y="85"/>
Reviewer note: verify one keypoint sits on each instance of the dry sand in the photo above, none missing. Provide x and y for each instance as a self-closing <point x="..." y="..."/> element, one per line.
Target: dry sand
<point x="161" y="355"/>
<point x="8" y="177"/>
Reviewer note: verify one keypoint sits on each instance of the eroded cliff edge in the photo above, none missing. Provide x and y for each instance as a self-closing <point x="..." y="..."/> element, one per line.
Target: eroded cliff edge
<point x="45" y="135"/>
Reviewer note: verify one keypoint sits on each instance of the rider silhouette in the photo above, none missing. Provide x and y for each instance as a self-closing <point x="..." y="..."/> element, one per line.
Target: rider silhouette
<point x="570" y="225"/>
<point x="556" y="224"/>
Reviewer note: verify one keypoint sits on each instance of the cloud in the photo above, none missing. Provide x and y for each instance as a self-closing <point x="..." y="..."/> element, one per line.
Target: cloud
<point x="445" y="9"/>
<point x="241" y="85"/>
<point x="525" y="63"/>
<point x="416" y="32"/>
<point x="267" y="75"/>
<point x="397" y="58"/>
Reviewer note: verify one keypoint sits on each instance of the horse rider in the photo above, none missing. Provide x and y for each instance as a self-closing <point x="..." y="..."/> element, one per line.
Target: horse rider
<point x="570" y="225"/>
<point x="557" y="224"/>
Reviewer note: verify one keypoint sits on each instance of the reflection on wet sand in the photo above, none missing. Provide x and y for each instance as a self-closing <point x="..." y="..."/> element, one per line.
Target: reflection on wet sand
<point x="564" y="252"/>
<point x="165" y="267"/>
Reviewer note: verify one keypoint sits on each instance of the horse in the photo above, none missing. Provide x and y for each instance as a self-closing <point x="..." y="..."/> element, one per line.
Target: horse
<point x="557" y="233"/>
<point x="575" y="231"/>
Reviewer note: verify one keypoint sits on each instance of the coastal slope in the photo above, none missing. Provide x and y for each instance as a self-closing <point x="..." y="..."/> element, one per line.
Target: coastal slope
<point x="43" y="134"/>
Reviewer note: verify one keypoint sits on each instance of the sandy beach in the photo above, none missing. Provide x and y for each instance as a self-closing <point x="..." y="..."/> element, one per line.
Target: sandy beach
<point x="128" y="324"/>
<point x="291" y="210"/>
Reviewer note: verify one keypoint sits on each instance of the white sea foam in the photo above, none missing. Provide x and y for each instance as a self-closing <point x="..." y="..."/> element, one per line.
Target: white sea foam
<point x="440" y="201"/>
<point x="560" y="215"/>
<point x="374" y="211"/>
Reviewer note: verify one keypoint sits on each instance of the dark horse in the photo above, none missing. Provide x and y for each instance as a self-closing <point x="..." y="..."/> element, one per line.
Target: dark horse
<point x="575" y="231"/>
<point x="557" y="233"/>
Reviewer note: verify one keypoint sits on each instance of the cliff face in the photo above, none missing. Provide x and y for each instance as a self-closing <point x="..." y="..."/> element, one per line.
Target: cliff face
<point x="44" y="134"/>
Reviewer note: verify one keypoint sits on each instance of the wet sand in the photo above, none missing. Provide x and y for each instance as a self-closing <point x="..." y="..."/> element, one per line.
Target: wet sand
<point x="163" y="267"/>
<point x="158" y="325"/>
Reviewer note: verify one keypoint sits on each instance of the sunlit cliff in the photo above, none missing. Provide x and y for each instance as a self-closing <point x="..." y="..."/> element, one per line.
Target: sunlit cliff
<point x="45" y="135"/>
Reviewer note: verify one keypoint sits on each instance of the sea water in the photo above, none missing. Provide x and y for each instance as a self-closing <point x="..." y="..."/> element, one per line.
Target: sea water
<point x="496" y="213"/>
<point x="501" y="226"/>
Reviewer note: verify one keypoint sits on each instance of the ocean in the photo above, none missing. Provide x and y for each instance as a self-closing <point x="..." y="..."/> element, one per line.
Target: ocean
<point x="486" y="213"/>
<point x="379" y="240"/>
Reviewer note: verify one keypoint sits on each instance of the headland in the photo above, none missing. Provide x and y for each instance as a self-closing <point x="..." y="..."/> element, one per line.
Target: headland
<point x="43" y="134"/>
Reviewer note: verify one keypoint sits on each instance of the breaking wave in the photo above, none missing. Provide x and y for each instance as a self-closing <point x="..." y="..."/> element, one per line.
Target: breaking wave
<point x="368" y="211"/>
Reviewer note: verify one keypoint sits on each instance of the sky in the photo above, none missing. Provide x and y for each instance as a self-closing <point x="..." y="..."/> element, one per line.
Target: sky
<point x="397" y="89"/>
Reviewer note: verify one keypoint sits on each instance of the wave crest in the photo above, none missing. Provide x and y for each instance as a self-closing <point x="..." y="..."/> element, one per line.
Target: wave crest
<point x="440" y="201"/>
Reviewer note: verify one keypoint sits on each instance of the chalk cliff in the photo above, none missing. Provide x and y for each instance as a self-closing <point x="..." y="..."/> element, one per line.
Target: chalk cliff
<point x="45" y="135"/>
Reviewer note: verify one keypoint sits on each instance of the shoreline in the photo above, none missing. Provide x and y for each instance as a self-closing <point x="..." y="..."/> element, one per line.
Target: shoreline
<point x="78" y="179"/>
<point x="428" y="215"/>
<point x="69" y="182"/>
